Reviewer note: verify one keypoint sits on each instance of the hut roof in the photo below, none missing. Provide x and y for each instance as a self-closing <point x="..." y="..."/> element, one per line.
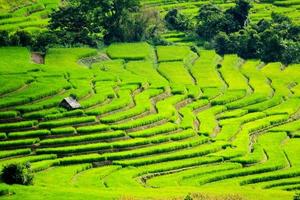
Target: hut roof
<point x="71" y="102"/>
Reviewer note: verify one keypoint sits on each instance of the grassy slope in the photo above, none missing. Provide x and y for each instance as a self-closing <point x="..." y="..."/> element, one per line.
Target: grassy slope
<point x="6" y="5"/>
<point x="105" y="182"/>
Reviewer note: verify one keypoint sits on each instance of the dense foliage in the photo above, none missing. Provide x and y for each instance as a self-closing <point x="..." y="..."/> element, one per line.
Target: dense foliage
<point x="269" y="40"/>
<point x="17" y="174"/>
<point x="86" y="22"/>
<point x="230" y="32"/>
<point x="177" y="21"/>
<point x="116" y="21"/>
<point x="211" y="19"/>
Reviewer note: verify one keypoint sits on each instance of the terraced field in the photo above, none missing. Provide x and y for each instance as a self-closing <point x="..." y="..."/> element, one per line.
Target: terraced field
<point x="28" y="15"/>
<point x="155" y="122"/>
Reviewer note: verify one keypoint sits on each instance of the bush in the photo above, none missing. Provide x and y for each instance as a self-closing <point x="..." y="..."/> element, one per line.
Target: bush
<point x="17" y="174"/>
<point x="177" y="21"/>
<point x="188" y="197"/>
<point x="21" y="38"/>
<point x="42" y="42"/>
<point x="2" y="136"/>
<point x="4" y="38"/>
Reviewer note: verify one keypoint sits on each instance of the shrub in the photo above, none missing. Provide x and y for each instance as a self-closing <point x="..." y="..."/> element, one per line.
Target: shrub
<point x="21" y="38"/>
<point x="4" y="38"/>
<point x="17" y="174"/>
<point x="42" y="42"/>
<point x="176" y="20"/>
<point x="188" y="197"/>
<point x="3" y="136"/>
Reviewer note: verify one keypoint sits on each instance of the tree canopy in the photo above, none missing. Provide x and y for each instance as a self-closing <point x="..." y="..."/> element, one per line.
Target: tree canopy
<point x="116" y="20"/>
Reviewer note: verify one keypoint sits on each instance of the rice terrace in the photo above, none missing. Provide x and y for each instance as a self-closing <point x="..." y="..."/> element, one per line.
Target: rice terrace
<point x="150" y="99"/>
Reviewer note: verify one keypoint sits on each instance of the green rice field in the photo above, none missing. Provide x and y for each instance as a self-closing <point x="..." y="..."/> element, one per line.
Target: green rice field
<point x="156" y="122"/>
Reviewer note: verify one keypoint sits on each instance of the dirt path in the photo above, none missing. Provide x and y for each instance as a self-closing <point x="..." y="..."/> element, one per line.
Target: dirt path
<point x="38" y="58"/>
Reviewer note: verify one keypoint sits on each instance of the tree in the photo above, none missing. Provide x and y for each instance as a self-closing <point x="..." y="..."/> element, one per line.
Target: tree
<point x="208" y="10"/>
<point x="209" y="21"/>
<point x="17" y="174"/>
<point x="222" y="43"/>
<point x="212" y="20"/>
<point x="21" y="38"/>
<point x="4" y="38"/>
<point x="117" y="20"/>
<point x="280" y="18"/>
<point x="275" y="40"/>
<point x="271" y="46"/>
<point x="177" y="21"/>
<point x="43" y="41"/>
<point x="143" y="25"/>
<point x="291" y="52"/>
<point x="71" y="26"/>
<point x="111" y="15"/>
<point x="248" y="43"/>
<point x="239" y="13"/>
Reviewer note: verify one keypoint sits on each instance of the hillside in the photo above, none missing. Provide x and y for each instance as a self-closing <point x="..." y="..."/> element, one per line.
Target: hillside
<point x="32" y="15"/>
<point x="150" y="99"/>
<point x="155" y="123"/>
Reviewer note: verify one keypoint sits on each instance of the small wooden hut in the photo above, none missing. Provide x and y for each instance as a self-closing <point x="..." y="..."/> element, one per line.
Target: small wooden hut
<point x="70" y="103"/>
